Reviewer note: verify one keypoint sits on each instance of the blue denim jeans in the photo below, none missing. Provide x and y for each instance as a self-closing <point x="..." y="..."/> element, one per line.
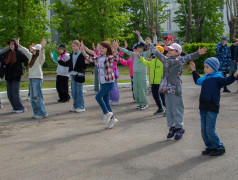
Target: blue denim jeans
<point x="37" y="100"/>
<point x="102" y="97"/>
<point x="208" y="129"/>
<point x="77" y="93"/>
<point x="96" y="81"/>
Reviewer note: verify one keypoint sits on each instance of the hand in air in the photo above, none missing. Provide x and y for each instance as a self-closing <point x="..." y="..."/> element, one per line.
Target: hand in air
<point x="192" y="65"/>
<point x="202" y="51"/>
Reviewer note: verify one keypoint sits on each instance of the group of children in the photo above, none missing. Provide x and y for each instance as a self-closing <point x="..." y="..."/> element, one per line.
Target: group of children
<point x="165" y="65"/>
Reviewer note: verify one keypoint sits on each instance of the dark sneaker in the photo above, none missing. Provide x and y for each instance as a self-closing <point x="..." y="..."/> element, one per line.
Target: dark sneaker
<point x="172" y="132"/>
<point x="60" y="100"/>
<point x="207" y="151"/>
<point x="160" y="111"/>
<point x="179" y="133"/>
<point x="226" y="90"/>
<point x="218" y="152"/>
<point x="138" y="107"/>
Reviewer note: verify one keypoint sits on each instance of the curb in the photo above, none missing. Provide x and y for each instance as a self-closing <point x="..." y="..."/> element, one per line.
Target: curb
<point x="24" y="93"/>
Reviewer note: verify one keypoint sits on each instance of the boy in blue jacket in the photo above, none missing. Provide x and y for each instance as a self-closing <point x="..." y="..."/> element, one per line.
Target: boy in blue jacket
<point x="209" y="102"/>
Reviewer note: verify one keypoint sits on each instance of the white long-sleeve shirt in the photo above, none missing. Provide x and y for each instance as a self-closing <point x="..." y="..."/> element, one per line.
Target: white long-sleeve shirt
<point x="36" y="70"/>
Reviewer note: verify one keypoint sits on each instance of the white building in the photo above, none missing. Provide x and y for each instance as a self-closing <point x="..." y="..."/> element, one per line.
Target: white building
<point x="170" y="27"/>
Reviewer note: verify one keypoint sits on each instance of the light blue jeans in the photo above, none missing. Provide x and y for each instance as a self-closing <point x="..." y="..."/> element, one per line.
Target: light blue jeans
<point x="208" y="129"/>
<point x="37" y="100"/>
<point x="77" y="93"/>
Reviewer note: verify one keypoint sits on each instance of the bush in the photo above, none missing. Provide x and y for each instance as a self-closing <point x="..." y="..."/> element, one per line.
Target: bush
<point x="193" y="47"/>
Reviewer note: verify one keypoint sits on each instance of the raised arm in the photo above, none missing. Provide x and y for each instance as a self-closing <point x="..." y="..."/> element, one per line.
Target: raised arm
<point x="196" y="75"/>
<point x="129" y="53"/>
<point x="193" y="56"/>
<point x="139" y="37"/>
<point x="25" y="51"/>
<point x="154" y="37"/>
<point x="157" y="53"/>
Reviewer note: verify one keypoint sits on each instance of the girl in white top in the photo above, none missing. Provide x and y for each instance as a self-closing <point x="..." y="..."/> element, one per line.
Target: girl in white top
<point x="37" y="59"/>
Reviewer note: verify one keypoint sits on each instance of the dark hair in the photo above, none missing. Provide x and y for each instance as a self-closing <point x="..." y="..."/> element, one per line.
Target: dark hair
<point x="107" y="44"/>
<point x="33" y="59"/>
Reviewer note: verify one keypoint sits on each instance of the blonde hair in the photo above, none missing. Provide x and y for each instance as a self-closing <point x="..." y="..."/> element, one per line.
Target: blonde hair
<point x="76" y="42"/>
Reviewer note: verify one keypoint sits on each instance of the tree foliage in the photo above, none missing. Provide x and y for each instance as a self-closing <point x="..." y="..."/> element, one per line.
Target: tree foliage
<point x="207" y="25"/>
<point x="24" y="18"/>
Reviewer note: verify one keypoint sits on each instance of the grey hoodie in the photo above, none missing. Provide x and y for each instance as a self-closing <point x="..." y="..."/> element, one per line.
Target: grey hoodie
<point x="171" y="81"/>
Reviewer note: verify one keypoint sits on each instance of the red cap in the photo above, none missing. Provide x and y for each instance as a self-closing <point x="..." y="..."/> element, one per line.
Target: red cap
<point x="169" y="37"/>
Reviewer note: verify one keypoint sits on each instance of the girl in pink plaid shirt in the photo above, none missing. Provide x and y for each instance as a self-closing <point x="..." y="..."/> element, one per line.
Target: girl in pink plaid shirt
<point x="106" y="76"/>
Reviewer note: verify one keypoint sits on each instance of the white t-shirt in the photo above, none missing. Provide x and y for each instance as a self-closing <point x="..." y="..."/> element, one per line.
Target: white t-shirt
<point x="101" y="69"/>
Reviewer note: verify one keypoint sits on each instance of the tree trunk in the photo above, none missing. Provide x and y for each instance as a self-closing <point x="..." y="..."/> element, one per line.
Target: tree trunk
<point x="236" y="26"/>
<point x="188" y="21"/>
<point x="157" y="18"/>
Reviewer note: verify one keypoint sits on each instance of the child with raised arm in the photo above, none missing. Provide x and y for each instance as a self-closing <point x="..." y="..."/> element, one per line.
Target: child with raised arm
<point x="129" y="63"/>
<point x="106" y="76"/>
<point x="77" y="67"/>
<point x="209" y="103"/>
<point x="139" y="75"/>
<point x="171" y="85"/>
<point x="62" y="79"/>
<point x="156" y="72"/>
<point x="37" y="59"/>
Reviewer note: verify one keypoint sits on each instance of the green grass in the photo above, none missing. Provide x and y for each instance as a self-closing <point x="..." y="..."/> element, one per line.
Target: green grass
<point x="24" y="85"/>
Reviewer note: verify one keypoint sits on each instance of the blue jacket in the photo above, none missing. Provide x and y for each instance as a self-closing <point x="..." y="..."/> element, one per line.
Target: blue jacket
<point x="210" y="91"/>
<point x="224" y="56"/>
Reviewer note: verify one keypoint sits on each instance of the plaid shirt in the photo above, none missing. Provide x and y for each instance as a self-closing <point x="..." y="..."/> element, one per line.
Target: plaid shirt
<point x="109" y="74"/>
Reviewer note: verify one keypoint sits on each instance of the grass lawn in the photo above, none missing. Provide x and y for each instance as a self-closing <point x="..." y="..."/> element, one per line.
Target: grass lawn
<point x="50" y="84"/>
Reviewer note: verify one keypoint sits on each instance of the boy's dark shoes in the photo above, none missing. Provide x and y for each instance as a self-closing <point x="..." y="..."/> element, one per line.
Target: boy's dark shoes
<point x="172" y="132"/>
<point x="160" y="111"/>
<point x="64" y="101"/>
<point x="226" y="90"/>
<point x="60" y="100"/>
<point x="207" y="151"/>
<point x="179" y="133"/>
<point x="218" y="152"/>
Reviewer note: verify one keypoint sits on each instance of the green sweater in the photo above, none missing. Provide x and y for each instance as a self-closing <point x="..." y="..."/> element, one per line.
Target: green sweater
<point x="138" y="67"/>
<point x="156" y="69"/>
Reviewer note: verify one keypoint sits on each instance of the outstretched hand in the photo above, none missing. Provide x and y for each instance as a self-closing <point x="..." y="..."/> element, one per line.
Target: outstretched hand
<point x="18" y="42"/>
<point x="236" y="74"/>
<point x="192" y="65"/>
<point x="148" y="41"/>
<point x="137" y="54"/>
<point x="115" y="44"/>
<point x="126" y="44"/>
<point x="43" y="42"/>
<point x="82" y="47"/>
<point x="137" y="32"/>
<point x="202" y="51"/>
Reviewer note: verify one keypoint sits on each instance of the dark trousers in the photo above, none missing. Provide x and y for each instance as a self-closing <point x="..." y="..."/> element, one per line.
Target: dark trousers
<point x="158" y="97"/>
<point x="13" y="93"/>
<point x="62" y="86"/>
<point x="132" y="87"/>
<point x="224" y="74"/>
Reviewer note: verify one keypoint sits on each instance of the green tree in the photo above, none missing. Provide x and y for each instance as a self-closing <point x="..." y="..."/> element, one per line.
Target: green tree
<point x="24" y="18"/>
<point x="207" y="25"/>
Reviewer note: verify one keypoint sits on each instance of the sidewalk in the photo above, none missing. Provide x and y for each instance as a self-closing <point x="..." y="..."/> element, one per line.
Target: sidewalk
<point x="76" y="146"/>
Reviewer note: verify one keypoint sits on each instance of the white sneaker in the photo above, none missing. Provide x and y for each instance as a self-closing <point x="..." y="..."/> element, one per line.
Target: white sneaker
<point x="72" y="110"/>
<point x="45" y="116"/>
<point x="19" y="111"/>
<point x="143" y="107"/>
<point x="107" y="117"/>
<point x="114" y="103"/>
<point x="78" y="110"/>
<point x="1" y="106"/>
<point x="38" y="117"/>
<point x="14" y="111"/>
<point x="112" y="123"/>
<point x="138" y="107"/>
<point x="28" y="98"/>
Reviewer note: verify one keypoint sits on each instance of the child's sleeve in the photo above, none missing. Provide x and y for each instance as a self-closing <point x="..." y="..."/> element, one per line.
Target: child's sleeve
<point x="190" y="57"/>
<point x="147" y="54"/>
<point x="144" y="62"/>
<point x="124" y="62"/>
<point x="141" y="39"/>
<point x="196" y="76"/>
<point x="155" y="39"/>
<point x="225" y="81"/>
<point x="127" y="52"/>
<point x="91" y="59"/>
<point x="42" y="56"/>
<point x="218" y="47"/>
<point x="4" y="50"/>
<point x="157" y="53"/>
<point x="25" y="51"/>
